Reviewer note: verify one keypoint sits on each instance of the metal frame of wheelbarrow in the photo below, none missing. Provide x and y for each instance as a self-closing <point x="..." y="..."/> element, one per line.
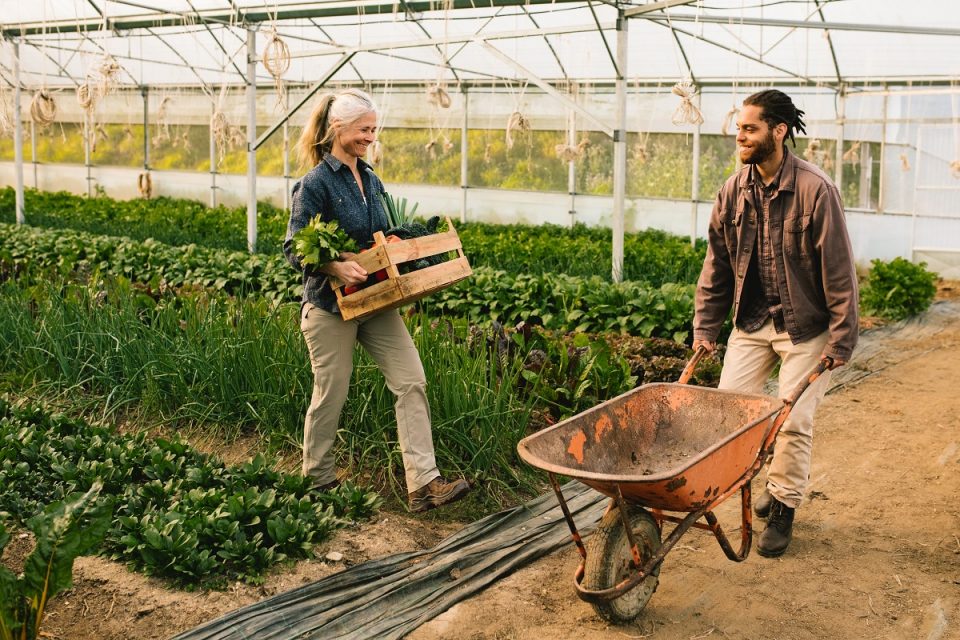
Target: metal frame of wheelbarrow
<point x="691" y="519"/>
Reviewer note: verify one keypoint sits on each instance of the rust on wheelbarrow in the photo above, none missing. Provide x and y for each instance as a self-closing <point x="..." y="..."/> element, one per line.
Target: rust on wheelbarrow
<point x="667" y="446"/>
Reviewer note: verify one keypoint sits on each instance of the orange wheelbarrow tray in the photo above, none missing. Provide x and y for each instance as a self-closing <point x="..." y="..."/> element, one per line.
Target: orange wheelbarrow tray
<point x="663" y="447"/>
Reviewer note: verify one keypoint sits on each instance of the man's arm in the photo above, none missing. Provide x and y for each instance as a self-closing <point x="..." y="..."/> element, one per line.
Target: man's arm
<point x="839" y="276"/>
<point x="715" y="285"/>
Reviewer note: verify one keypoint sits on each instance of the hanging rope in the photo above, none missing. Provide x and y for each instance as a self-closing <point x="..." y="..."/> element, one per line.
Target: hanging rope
<point x="100" y="80"/>
<point x="687" y="112"/>
<point x="276" y="60"/>
<point x="955" y="169"/>
<point x="145" y="185"/>
<point x="729" y="119"/>
<point x="43" y="108"/>
<point x="438" y="96"/>
<point x="852" y="155"/>
<point x="6" y="121"/>
<point x="163" y="127"/>
<point x="904" y="162"/>
<point x="569" y="153"/>
<point x="517" y="122"/>
<point x="225" y="135"/>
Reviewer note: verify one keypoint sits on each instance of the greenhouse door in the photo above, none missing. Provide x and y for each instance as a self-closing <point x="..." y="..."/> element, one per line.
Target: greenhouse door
<point x="936" y="202"/>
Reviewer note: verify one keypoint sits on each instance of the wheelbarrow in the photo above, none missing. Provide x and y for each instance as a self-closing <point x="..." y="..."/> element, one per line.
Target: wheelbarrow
<point x="658" y="448"/>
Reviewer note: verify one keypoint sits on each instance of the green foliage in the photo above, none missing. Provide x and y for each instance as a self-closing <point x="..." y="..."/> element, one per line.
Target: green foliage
<point x="321" y="242"/>
<point x="565" y="303"/>
<point x="168" y="220"/>
<point x="179" y="513"/>
<point x="62" y="532"/>
<point x="898" y="289"/>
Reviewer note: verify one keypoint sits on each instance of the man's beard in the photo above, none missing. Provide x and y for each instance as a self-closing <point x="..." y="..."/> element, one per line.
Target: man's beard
<point x="760" y="153"/>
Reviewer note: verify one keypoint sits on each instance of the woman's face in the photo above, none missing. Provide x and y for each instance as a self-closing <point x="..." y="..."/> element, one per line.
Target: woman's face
<point x="354" y="138"/>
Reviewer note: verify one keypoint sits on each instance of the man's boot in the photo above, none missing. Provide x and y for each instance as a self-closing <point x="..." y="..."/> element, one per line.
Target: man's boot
<point x="762" y="506"/>
<point x="776" y="537"/>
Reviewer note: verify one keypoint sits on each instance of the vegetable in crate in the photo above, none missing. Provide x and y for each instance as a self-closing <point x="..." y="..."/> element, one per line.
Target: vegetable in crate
<point x="321" y="242"/>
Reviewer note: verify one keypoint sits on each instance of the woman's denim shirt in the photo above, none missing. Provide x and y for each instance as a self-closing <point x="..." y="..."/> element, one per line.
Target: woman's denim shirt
<point x="330" y="191"/>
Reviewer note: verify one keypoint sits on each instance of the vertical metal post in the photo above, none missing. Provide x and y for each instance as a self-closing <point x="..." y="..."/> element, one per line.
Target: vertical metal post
<point x="145" y="92"/>
<point x="841" y="116"/>
<point x="213" y="159"/>
<point x="695" y="182"/>
<point x="620" y="148"/>
<point x="572" y="165"/>
<point x="286" y="152"/>
<point x="464" y="157"/>
<point x="881" y="200"/>
<point x="18" y="134"/>
<point x="33" y="153"/>
<point x="87" y="134"/>
<point x="866" y="174"/>
<point x="251" y="139"/>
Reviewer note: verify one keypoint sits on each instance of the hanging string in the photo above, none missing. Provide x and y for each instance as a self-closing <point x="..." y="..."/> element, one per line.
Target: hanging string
<point x="686" y="112"/>
<point x="6" y="120"/>
<point x="852" y="155"/>
<point x="43" y="108"/>
<point x="276" y="60"/>
<point x="100" y="81"/>
<point x="516" y="121"/>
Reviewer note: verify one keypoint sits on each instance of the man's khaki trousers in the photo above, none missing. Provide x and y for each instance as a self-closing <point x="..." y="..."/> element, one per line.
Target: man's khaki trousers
<point x="330" y="341"/>
<point x="747" y="365"/>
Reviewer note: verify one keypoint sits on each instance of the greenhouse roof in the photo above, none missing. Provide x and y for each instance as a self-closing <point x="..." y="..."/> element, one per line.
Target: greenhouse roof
<point x="853" y="44"/>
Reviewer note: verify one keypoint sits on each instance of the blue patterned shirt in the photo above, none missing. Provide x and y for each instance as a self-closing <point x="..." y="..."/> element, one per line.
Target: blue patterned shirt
<point x="330" y="190"/>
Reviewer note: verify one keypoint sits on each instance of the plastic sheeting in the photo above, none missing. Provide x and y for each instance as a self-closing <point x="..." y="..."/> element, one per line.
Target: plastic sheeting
<point x="390" y="597"/>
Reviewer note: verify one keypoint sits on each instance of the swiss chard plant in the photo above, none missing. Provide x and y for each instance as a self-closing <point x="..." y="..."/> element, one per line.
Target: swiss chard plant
<point x="62" y="532"/>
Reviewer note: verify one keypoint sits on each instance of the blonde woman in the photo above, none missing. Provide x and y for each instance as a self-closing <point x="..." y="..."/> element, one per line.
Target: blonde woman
<point x="340" y="186"/>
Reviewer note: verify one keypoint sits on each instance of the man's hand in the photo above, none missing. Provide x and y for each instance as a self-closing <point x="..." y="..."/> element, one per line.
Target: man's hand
<point x="833" y="362"/>
<point x="709" y="346"/>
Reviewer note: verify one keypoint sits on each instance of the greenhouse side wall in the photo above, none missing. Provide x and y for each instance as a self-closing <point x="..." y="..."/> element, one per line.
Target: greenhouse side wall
<point x="873" y="236"/>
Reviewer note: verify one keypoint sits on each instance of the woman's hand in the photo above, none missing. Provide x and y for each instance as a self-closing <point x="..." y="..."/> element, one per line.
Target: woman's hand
<point x="347" y="271"/>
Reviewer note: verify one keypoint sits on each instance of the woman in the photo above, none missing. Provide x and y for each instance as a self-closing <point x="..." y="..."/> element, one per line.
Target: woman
<point x="341" y="186"/>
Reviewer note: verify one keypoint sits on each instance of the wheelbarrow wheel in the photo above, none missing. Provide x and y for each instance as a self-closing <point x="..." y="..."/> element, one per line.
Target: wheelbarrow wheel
<point x="610" y="561"/>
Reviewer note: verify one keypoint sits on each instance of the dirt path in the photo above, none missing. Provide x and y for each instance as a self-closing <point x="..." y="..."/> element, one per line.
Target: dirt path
<point x="876" y="551"/>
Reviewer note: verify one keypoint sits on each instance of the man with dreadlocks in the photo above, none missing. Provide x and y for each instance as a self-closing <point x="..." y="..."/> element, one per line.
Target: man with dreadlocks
<point x="780" y="256"/>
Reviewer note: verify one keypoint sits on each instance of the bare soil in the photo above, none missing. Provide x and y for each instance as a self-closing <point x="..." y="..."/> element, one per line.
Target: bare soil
<point x="876" y="552"/>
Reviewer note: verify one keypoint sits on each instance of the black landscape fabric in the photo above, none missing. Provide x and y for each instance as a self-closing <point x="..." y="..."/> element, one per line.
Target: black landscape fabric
<point x="390" y="597"/>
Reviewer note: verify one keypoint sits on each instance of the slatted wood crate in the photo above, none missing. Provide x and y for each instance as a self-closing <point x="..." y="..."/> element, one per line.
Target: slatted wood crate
<point x="398" y="288"/>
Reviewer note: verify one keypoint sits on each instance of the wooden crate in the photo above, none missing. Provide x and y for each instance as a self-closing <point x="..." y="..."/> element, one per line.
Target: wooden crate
<point x="398" y="288"/>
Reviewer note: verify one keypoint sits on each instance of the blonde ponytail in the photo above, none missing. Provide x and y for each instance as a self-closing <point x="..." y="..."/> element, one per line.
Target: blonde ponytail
<point x="331" y="112"/>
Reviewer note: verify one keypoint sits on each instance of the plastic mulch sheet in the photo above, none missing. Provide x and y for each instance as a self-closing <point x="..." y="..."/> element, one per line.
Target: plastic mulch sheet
<point x="390" y="597"/>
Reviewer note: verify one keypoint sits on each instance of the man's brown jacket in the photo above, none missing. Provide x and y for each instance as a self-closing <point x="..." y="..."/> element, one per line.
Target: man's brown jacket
<point x="815" y="270"/>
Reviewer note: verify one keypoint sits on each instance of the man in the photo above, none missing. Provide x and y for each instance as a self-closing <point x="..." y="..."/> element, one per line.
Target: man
<point x="780" y="256"/>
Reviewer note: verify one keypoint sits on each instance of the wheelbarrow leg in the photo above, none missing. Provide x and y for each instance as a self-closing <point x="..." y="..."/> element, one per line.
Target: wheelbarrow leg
<point x="569" y="518"/>
<point x="746" y="528"/>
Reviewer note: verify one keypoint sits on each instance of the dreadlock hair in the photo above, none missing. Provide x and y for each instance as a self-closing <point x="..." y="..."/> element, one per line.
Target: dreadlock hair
<point x="777" y="107"/>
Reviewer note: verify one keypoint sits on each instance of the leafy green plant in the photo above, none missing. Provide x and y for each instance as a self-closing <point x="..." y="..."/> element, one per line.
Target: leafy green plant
<point x="898" y="289"/>
<point x="64" y="531"/>
<point x="396" y="209"/>
<point x="321" y="242"/>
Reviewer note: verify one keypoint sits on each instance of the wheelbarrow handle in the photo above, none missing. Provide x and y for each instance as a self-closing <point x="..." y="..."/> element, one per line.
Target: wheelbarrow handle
<point x="692" y="364"/>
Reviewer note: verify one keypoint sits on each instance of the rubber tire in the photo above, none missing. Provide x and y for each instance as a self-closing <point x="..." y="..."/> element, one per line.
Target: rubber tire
<point x="609" y="561"/>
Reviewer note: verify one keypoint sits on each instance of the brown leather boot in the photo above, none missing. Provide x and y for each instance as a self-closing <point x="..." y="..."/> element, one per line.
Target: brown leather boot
<point x="437" y="493"/>
<point x="776" y="537"/>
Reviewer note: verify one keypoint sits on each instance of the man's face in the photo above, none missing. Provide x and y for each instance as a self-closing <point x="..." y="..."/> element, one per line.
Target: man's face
<point x="756" y="140"/>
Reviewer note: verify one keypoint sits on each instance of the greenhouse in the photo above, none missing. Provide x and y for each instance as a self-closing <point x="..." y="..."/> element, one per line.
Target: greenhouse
<point x="558" y="112"/>
<point x="279" y="362"/>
